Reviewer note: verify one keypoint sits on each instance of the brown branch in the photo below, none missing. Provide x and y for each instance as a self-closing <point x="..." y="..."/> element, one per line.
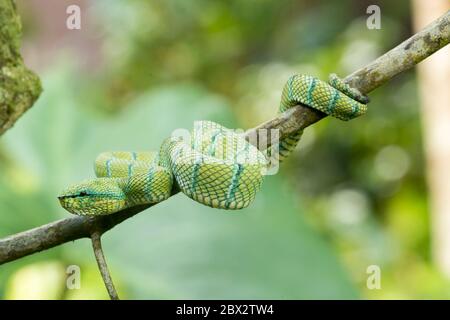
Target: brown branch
<point x="395" y="61"/>
<point x="102" y="266"/>
<point x="59" y="232"/>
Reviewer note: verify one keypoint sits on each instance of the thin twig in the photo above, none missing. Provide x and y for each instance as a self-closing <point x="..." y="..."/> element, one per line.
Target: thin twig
<point x="103" y="267"/>
<point x="395" y="61"/>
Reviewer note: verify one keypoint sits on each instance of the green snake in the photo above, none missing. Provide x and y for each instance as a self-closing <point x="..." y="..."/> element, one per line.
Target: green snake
<point x="213" y="165"/>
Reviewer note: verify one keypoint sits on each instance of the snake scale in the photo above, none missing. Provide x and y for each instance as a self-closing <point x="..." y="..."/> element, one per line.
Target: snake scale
<point x="214" y="165"/>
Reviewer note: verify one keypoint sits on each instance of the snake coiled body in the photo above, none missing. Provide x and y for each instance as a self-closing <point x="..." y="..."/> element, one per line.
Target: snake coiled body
<point x="214" y="165"/>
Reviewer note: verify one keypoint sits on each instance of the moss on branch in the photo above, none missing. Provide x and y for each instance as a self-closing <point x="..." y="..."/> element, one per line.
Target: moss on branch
<point x="19" y="86"/>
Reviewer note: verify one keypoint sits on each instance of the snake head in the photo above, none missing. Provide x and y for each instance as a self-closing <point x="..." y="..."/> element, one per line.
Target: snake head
<point x="94" y="197"/>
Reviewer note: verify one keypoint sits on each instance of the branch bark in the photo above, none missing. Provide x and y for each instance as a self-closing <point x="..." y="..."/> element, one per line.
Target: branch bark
<point x="102" y="265"/>
<point x="20" y="87"/>
<point x="401" y="58"/>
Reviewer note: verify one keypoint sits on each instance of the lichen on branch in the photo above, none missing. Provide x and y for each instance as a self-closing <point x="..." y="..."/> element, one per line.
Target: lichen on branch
<point x="19" y="86"/>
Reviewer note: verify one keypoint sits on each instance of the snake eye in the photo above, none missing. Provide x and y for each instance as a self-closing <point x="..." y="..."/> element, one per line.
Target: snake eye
<point x="83" y="194"/>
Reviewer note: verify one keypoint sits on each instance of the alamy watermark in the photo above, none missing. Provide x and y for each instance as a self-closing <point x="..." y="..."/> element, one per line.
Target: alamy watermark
<point x="73" y="20"/>
<point x="374" y="20"/>
<point x="73" y="280"/>
<point x="374" y="277"/>
<point x="211" y="144"/>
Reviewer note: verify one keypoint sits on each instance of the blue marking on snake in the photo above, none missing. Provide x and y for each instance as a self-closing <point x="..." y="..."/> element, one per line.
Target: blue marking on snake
<point x="195" y="172"/>
<point x="237" y="171"/>
<point x="312" y="85"/>
<point x="291" y="79"/>
<point x="148" y="185"/>
<point x="355" y="109"/>
<point x="333" y="101"/>
<point x="212" y="146"/>
<point x="130" y="169"/>
<point x="108" y="168"/>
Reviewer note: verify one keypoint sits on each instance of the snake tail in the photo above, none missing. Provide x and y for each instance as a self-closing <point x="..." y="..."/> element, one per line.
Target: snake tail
<point x="335" y="98"/>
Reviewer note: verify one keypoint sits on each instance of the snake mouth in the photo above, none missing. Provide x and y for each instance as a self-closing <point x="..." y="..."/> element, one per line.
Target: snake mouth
<point x="71" y="196"/>
<point x="65" y="197"/>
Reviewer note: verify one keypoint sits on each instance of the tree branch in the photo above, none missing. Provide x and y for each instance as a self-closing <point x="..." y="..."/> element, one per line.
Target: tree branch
<point x="20" y="87"/>
<point x="102" y="266"/>
<point x="395" y="61"/>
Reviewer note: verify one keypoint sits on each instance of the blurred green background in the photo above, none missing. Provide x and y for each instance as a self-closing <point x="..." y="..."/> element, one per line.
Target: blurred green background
<point x="138" y="70"/>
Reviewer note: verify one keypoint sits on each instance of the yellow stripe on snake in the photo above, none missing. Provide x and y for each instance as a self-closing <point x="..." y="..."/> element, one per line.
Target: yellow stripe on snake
<point x="215" y="166"/>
